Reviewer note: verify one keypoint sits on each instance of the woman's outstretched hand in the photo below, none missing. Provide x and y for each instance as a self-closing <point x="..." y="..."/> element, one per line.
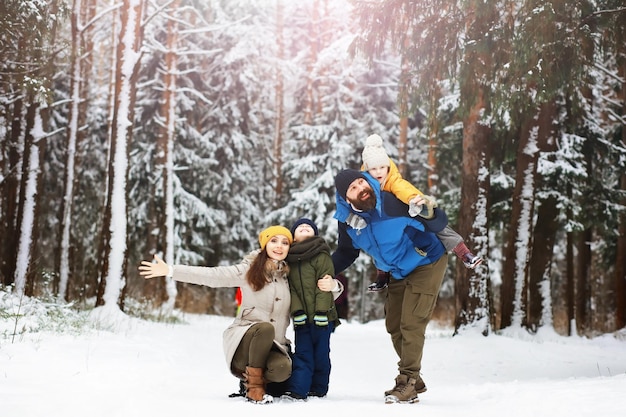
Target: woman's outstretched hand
<point x="158" y="268"/>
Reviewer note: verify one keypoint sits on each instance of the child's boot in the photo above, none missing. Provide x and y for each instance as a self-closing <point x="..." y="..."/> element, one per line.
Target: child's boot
<point x="382" y="280"/>
<point x="470" y="260"/>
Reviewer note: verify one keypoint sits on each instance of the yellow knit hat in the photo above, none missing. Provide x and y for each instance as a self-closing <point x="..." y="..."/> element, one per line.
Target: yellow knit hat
<point x="272" y="231"/>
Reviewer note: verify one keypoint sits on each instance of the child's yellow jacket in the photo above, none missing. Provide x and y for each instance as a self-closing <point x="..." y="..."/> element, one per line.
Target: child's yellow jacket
<point x="398" y="186"/>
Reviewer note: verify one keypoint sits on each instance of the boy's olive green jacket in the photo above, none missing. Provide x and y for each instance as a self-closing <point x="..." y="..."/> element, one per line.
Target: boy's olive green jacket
<point x="309" y="260"/>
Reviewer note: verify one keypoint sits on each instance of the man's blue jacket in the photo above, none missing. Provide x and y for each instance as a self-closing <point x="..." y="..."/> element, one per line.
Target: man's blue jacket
<point x="397" y="242"/>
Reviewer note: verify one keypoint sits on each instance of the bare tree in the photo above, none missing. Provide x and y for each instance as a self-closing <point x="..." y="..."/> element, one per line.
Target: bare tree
<point x="472" y="289"/>
<point x="38" y="91"/>
<point x="403" y="103"/>
<point x="112" y="274"/>
<point x="161" y="291"/>
<point x="82" y="15"/>
<point x="27" y="203"/>
<point x="539" y="312"/>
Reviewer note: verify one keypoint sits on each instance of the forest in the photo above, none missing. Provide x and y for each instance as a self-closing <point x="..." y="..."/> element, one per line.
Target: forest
<point x="184" y="127"/>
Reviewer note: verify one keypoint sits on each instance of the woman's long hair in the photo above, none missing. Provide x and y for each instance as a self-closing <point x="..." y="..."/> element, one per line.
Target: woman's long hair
<point x="261" y="269"/>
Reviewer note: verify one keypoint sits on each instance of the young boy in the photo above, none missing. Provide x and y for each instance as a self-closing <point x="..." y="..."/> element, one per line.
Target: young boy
<point x="313" y="312"/>
<point x="381" y="167"/>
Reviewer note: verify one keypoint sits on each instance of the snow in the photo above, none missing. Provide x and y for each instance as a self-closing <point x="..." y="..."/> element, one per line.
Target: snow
<point x="116" y="365"/>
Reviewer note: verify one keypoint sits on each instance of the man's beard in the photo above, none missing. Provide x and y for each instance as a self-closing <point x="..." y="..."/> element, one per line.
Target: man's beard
<point x="365" y="203"/>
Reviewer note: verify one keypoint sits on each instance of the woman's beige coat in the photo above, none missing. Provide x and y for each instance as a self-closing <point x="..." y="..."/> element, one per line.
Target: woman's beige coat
<point x="270" y="304"/>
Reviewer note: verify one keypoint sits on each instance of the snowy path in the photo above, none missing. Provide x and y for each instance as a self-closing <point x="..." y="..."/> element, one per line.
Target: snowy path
<point x="156" y="369"/>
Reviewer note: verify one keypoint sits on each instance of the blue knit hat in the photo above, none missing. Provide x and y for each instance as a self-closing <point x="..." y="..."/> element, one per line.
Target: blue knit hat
<point x="304" y="220"/>
<point x="344" y="178"/>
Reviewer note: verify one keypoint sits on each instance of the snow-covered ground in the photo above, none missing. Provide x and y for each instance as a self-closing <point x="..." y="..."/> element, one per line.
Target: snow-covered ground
<point x="118" y="366"/>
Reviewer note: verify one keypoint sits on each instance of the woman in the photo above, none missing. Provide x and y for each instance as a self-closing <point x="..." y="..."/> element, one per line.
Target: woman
<point x="255" y="344"/>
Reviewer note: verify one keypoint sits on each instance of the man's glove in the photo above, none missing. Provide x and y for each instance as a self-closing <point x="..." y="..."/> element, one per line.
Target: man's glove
<point x="356" y="222"/>
<point x="320" y="318"/>
<point x="299" y="318"/>
<point x="425" y="209"/>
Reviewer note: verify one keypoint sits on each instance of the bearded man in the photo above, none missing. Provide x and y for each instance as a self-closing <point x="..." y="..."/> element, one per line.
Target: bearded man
<point x="378" y="224"/>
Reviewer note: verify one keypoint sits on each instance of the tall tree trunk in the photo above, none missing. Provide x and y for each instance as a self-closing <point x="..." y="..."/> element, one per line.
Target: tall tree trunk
<point x="403" y="98"/>
<point x="544" y="235"/>
<point x="37" y="116"/>
<point x="11" y="193"/>
<point x="582" y="268"/>
<point x="620" y="261"/>
<point x="514" y="295"/>
<point x="324" y="34"/>
<point x="403" y="145"/>
<point x="164" y="291"/>
<point x="103" y="241"/>
<point x="404" y="86"/>
<point x="472" y="289"/>
<point x="314" y="35"/>
<point x="620" y="258"/>
<point x="280" y="110"/>
<point x="433" y="133"/>
<point x="112" y="275"/>
<point x="26" y="215"/>
<point x="570" y="280"/>
<point x="82" y="272"/>
<point x="72" y="140"/>
<point x="36" y="139"/>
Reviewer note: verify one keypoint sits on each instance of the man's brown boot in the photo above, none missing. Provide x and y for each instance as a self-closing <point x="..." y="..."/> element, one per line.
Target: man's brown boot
<point x="420" y="385"/>
<point x="405" y="395"/>
<point x="400" y="382"/>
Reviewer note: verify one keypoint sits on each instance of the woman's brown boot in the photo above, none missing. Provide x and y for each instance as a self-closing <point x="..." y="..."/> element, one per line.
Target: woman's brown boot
<point x="255" y="386"/>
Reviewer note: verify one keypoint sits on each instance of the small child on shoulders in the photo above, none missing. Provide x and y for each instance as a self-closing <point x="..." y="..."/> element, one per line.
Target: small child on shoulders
<point x="378" y="164"/>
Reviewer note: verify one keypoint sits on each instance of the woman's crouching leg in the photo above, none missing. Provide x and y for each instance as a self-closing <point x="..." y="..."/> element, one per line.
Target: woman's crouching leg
<point x="278" y="367"/>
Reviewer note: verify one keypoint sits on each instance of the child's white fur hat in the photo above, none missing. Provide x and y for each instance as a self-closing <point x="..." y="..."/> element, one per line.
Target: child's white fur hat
<point x="374" y="155"/>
